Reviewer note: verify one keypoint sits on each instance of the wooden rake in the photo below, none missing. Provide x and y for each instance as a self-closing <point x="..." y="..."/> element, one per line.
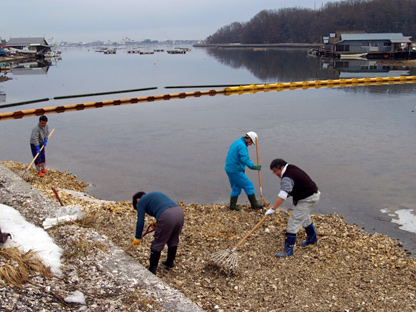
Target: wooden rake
<point x="227" y="260"/>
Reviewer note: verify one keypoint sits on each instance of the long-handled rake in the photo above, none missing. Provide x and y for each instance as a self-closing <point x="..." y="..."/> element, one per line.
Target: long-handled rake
<point x="258" y="163"/>
<point x="227" y="260"/>
<point x="24" y="173"/>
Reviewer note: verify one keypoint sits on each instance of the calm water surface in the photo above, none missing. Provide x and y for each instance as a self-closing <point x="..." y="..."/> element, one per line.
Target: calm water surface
<point x="358" y="144"/>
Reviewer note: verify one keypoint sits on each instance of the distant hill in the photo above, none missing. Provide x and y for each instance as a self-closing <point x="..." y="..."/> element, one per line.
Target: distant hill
<point x="309" y="26"/>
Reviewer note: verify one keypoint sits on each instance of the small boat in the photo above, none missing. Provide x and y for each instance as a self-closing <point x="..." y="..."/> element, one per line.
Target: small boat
<point x="110" y="51"/>
<point x="353" y="56"/>
<point x="176" y="51"/>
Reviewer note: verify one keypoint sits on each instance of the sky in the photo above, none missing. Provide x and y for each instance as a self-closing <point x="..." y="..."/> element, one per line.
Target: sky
<point x="90" y="20"/>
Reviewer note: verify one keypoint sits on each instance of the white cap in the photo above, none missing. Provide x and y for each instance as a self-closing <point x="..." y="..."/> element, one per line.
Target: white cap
<point x="252" y="135"/>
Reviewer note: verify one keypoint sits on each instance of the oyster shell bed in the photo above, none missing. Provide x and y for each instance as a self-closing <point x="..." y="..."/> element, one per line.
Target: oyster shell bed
<point x="348" y="270"/>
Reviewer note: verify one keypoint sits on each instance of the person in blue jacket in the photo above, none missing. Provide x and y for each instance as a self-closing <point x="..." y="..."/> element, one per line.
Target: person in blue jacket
<point x="235" y="165"/>
<point x="169" y="217"/>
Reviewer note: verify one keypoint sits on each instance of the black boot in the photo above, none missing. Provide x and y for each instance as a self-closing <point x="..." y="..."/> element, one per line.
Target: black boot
<point x="290" y="241"/>
<point x="233" y="203"/>
<point x="253" y="201"/>
<point x="311" y="236"/>
<point x="171" y="257"/>
<point x="154" y="261"/>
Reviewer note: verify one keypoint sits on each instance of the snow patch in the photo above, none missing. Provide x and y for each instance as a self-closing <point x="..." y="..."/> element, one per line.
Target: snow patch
<point x="76" y="297"/>
<point x="27" y="236"/>
<point x="405" y="218"/>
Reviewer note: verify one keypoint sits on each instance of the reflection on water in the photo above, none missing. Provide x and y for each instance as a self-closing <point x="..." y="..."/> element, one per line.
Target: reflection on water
<point x="28" y="68"/>
<point x="32" y="67"/>
<point x="364" y="69"/>
<point x="276" y="65"/>
<point x="284" y="65"/>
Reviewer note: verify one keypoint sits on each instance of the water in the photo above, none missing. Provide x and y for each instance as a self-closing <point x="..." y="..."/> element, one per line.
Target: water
<point x="357" y="143"/>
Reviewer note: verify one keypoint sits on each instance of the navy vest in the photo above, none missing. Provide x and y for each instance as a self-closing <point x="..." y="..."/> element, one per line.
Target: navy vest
<point x="304" y="186"/>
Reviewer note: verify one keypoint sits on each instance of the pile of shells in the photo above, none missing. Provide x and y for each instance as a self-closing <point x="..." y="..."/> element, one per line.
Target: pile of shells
<point x="348" y="270"/>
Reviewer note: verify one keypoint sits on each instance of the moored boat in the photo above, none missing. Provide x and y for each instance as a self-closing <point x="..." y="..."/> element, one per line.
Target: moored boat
<point x="353" y="56"/>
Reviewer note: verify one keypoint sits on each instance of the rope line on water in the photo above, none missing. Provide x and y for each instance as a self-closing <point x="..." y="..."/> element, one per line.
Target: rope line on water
<point x="75" y="96"/>
<point x="238" y="90"/>
<point x="102" y="93"/>
<point x="24" y="103"/>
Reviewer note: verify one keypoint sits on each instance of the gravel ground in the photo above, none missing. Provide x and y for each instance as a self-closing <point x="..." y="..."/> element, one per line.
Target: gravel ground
<point x="348" y="270"/>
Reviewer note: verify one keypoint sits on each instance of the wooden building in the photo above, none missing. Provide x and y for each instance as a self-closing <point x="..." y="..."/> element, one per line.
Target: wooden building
<point x="373" y="45"/>
<point x="36" y="45"/>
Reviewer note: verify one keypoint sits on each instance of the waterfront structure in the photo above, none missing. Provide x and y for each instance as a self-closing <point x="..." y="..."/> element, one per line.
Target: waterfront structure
<point x="36" y="46"/>
<point x="376" y="45"/>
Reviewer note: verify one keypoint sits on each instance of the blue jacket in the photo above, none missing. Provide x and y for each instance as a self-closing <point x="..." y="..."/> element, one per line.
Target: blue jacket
<point x="237" y="157"/>
<point x="153" y="203"/>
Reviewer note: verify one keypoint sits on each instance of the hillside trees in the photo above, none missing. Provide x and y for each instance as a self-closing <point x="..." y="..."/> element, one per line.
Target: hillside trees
<point x="307" y="25"/>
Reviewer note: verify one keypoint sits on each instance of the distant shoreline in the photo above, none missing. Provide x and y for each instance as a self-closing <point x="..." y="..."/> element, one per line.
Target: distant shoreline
<point x="269" y="45"/>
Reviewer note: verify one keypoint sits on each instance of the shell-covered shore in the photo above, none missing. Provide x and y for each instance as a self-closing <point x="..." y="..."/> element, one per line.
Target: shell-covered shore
<point x="348" y="270"/>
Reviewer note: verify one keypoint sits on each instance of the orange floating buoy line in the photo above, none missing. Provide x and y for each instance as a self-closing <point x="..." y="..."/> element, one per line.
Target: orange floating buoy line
<point x="88" y="105"/>
<point x="235" y="90"/>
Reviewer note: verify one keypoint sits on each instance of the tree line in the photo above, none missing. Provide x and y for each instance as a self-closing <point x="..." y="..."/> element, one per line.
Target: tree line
<point x="299" y="25"/>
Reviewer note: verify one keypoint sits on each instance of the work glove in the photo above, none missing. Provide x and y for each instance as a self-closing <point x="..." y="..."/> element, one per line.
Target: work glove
<point x="45" y="141"/>
<point x="256" y="167"/>
<point x="269" y="212"/>
<point x="136" y="241"/>
<point x="37" y="149"/>
<point x="153" y="225"/>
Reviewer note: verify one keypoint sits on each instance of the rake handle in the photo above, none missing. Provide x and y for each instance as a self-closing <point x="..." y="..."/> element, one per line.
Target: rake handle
<point x="251" y="232"/>
<point x="36" y="156"/>
<point x="258" y="163"/>
<point x="57" y="196"/>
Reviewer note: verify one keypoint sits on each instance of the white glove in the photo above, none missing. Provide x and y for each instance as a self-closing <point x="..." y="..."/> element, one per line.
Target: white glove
<point x="269" y="212"/>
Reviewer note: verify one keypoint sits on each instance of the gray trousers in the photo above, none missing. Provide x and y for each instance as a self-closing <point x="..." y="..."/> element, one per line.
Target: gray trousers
<point x="301" y="213"/>
<point x="169" y="226"/>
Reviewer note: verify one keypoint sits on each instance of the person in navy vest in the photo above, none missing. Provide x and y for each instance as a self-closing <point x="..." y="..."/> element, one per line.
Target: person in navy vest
<point x="296" y="183"/>
<point x="169" y="217"/>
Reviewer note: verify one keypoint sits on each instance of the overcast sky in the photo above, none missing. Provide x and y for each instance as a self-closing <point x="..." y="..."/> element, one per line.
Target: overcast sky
<point x="89" y="20"/>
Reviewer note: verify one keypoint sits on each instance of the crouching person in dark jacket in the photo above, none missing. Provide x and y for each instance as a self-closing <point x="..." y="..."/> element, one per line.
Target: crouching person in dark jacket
<point x="169" y="217"/>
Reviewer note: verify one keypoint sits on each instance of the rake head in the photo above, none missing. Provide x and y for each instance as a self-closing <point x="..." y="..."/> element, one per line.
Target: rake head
<point x="26" y="175"/>
<point x="225" y="260"/>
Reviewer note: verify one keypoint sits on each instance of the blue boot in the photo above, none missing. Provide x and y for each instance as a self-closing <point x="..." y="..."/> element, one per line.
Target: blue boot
<point x="311" y="236"/>
<point x="289" y="244"/>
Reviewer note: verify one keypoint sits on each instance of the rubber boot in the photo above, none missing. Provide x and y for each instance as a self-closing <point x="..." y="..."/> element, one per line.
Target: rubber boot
<point x="311" y="236"/>
<point x="39" y="170"/>
<point x="289" y="244"/>
<point x="43" y="168"/>
<point x="253" y="201"/>
<point x="154" y="261"/>
<point x="171" y="257"/>
<point x="233" y="203"/>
